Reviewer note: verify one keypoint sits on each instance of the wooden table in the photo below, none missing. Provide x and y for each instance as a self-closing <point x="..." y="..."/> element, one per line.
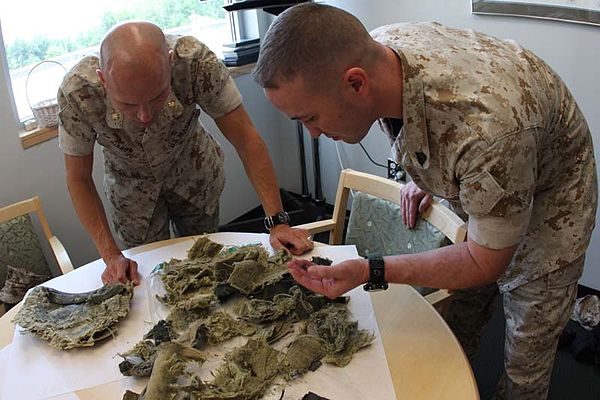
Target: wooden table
<point x="424" y="358"/>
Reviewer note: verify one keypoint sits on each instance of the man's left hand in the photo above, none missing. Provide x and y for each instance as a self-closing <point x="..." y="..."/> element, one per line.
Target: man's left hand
<point x="331" y="281"/>
<point x="295" y="240"/>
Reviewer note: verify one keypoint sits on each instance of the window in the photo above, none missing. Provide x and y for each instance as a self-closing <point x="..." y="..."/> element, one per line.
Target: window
<point x="65" y="31"/>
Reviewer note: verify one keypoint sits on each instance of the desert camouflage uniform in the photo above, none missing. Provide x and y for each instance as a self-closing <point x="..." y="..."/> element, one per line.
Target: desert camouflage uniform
<point x="172" y="169"/>
<point x="490" y="127"/>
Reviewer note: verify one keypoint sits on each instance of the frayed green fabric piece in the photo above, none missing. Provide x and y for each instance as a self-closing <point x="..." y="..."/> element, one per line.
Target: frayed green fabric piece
<point x="204" y="248"/>
<point x="170" y="374"/>
<point x="342" y="336"/>
<point x="197" y="301"/>
<point x="218" y="328"/>
<point x="250" y="276"/>
<point x="182" y="277"/>
<point x="275" y="331"/>
<point x="246" y="373"/>
<point x="223" y="266"/>
<point x="69" y="320"/>
<point x="303" y="353"/>
<point x="256" y="310"/>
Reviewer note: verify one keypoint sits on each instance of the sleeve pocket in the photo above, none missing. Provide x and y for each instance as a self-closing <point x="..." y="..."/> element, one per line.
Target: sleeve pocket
<point x="480" y="194"/>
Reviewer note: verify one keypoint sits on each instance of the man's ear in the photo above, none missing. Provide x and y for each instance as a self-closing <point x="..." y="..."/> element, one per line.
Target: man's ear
<point x="101" y="76"/>
<point x="356" y="79"/>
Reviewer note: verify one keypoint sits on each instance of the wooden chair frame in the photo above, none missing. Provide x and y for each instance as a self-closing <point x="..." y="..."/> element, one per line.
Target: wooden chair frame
<point x="438" y="215"/>
<point x="34" y="206"/>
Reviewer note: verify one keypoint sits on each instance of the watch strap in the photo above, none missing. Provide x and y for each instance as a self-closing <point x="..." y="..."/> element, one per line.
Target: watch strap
<point x="280" y="218"/>
<point x="376" y="274"/>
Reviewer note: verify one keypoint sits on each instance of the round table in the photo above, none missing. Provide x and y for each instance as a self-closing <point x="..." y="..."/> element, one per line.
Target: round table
<point x="424" y="358"/>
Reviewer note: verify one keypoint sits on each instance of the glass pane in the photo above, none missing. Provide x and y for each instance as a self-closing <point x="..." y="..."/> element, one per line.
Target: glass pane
<point x="65" y="31"/>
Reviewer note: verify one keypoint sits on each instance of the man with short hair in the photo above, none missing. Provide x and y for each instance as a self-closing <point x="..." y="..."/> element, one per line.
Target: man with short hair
<point x="141" y="102"/>
<point x="479" y="121"/>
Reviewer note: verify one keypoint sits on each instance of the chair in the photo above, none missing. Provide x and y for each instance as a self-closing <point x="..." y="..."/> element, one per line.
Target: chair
<point x="375" y="224"/>
<point x="20" y="246"/>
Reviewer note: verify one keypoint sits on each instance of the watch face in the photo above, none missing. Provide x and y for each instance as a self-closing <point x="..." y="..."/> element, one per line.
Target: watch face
<point x="283" y="218"/>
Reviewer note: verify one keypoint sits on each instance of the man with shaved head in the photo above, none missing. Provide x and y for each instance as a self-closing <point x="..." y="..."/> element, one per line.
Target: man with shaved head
<point x="473" y="119"/>
<point x="140" y="101"/>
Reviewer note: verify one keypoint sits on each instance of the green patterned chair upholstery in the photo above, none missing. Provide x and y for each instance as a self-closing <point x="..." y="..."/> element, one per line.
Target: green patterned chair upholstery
<point x="22" y="249"/>
<point x="375" y="224"/>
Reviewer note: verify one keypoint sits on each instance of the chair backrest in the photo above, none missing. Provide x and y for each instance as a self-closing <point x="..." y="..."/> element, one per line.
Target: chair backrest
<point x="20" y="245"/>
<point x="438" y="215"/>
<point x="389" y="237"/>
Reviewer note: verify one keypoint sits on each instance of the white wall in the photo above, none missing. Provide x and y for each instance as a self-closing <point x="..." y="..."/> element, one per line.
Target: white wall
<point x="40" y="171"/>
<point x="573" y="50"/>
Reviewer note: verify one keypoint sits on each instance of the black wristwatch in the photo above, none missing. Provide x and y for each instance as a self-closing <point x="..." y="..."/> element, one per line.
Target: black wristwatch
<point x="376" y="274"/>
<point x="277" y="219"/>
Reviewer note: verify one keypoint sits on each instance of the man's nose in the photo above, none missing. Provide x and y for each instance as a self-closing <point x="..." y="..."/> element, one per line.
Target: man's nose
<point x="144" y="114"/>
<point x="314" y="132"/>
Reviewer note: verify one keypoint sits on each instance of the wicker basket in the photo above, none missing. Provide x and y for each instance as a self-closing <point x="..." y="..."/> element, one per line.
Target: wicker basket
<point x="45" y="112"/>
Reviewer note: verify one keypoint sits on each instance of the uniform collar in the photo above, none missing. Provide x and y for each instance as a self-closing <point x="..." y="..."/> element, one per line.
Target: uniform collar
<point x="415" y="135"/>
<point x="114" y="118"/>
<point x="170" y="110"/>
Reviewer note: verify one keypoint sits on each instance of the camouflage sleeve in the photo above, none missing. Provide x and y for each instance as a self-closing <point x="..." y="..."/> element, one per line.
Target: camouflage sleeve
<point x="75" y="136"/>
<point x="497" y="191"/>
<point x="214" y="89"/>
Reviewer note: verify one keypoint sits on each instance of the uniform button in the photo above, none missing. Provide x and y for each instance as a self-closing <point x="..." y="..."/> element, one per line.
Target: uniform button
<point x="369" y="224"/>
<point x="409" y="245"/>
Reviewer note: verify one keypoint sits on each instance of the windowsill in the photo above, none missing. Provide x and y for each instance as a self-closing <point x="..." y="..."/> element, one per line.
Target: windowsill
<point x="40" y="135"/>
<point x="37" y="136"/>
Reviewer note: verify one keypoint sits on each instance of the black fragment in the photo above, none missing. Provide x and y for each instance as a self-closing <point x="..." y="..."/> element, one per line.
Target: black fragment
<point x="321" y="260"/>
<point x="313" y="396"/>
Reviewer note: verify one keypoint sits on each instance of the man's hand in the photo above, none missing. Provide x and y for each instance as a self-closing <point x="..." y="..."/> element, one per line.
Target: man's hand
<point x="295" y="240"/>
<point x="413" y="199"/>
<point x="331" y="281"/>
<point x="120" y="269"/>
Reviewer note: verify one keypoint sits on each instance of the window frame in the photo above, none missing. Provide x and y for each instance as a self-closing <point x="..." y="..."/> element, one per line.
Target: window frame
<point x="241" y="24"/>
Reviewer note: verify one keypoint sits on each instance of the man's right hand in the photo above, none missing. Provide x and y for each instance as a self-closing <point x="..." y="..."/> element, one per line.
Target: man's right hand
<point x="120" y="269"/>
<point x="413" y="199"/>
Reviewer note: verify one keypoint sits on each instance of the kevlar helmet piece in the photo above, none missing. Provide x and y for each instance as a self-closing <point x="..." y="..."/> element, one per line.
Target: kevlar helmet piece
<point x="69" y="320"/>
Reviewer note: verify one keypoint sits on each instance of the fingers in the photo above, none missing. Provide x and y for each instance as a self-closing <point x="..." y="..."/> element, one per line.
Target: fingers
<point x="296" y="241"/>
<point x="300" y="263"/>
<point x="107" y="276"/>
<point x="121" y="269"/>
<point x="425" y="203"/>
<point x="413" y="200"/>
<point x="121" y="272"/>
<point x="403" y="207"/>
<point x="133" y="272"/>
<point x="411" y="213"/>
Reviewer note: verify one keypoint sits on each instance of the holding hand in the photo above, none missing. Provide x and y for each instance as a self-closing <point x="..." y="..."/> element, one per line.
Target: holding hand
<point x="413" y="199"/>
<point x="295" y="240"/>
<point x="120" y="269"/>
<point x="331" y="281"/>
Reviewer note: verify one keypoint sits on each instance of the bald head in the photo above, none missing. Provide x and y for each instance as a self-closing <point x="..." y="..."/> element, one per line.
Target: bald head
<point x="315" y="41"/>
<point x="132" y="42"/>
<point x="135" y="68"/>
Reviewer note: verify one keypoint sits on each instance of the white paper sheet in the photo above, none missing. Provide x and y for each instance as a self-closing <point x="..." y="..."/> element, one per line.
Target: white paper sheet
<point x="60" y="372"/>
